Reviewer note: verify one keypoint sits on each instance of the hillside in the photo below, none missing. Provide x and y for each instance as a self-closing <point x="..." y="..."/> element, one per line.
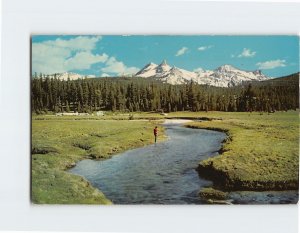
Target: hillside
<point x="139" y="94"/>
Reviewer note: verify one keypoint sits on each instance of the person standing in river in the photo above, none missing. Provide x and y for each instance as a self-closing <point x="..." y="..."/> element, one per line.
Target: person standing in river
<point x="155" y="133"/>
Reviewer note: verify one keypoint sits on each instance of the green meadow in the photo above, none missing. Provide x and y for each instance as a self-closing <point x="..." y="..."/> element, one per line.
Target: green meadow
<point x="261" y="151"/>
<point x="59" y="142"/>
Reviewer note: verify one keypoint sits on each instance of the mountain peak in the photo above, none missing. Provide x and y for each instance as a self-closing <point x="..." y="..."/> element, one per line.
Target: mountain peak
<point x="223" y="76"/>
<point x="69" y="75"/>
<point x="149" y="67"/>
<point x="226" y="67"/>
<point x="257" y="72"/>
<point x="150" y="64"/>
<point x="163" y="63"/>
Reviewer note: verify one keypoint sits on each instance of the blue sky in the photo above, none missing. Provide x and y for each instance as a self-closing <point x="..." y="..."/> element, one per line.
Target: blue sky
<point x="116" y="55"/>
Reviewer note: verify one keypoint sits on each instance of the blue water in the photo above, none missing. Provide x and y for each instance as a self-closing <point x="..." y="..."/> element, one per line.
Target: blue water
<point x="162" y="173"/>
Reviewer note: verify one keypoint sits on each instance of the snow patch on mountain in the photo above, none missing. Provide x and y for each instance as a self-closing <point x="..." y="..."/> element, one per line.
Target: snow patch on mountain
<point x="69" y="75"/>
<point x="223" y="76"/>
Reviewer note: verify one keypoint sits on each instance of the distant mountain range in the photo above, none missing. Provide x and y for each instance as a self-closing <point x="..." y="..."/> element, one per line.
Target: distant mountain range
<point x="69" y="75"/>
<point x="223" y="76"/>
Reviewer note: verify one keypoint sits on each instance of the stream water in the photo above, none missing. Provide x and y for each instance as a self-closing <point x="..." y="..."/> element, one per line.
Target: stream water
<point x="164" y="173"/>
<point x="161" y="173"/>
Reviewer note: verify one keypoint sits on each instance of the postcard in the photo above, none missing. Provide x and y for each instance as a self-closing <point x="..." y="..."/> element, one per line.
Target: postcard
<point x="159" y="119"/>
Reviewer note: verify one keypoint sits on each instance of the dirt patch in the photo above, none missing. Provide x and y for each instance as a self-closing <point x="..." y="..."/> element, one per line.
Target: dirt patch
<point x="43" y="150"/>
<point x="82" y="146"/>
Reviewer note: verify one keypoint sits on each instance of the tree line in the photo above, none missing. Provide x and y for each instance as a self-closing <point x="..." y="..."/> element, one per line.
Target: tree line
<point x="138" y="94"/>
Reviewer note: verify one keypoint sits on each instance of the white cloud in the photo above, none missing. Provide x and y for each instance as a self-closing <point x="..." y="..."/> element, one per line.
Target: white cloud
<point x="60" y="55"/>
<point x="202" y="48"/>
<point x="78" y="43"/>
<point x="247" y="53"/>
<point x="48" y="59"/>
<point x="83" y="60"/>
<point x="181" y="51"/>
<point x="118" y="68"/>
<point x="271" y="64"/>
<point x="131" y="70"/>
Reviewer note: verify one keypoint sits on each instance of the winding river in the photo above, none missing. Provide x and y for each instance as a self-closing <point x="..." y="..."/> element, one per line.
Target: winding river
<point x="162" y="173"/>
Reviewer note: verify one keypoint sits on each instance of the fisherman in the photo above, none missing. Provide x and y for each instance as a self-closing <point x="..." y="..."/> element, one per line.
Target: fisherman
<point x="155" y="133"/>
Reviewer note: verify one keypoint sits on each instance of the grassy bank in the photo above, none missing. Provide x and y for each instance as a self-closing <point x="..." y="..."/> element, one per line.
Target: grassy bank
<point x="59" y="142"/>
<point x="260" y="153"/>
